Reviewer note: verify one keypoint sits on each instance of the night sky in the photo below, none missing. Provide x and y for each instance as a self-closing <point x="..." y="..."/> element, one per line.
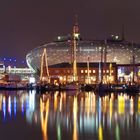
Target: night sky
<point x="26" y="24"/>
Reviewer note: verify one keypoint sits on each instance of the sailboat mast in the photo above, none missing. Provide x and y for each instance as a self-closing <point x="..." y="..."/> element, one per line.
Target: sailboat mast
<point x="101" y="66"/>
<point x="74" y="61"/>
<point x="44" y="73"/>
<point x="88" y="73"/>
<point x="75" y="37"/>
<point x="133" y="61"/>
<point x="105" y="60"/>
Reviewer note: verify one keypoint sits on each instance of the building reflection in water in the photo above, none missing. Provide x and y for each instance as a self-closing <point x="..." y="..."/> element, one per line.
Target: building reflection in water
<point x="74" y="115"/>
<point x="9" y="106"/>
<point x="44" y="112"/>
<point x="15" y="106"/>
<point x="75" y="127"/>
<point x="4" y="107"/>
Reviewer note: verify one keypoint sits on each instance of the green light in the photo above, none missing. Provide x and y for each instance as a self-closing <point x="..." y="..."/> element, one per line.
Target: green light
<point x="117" y="132"/>
<point x="58" y="132"/>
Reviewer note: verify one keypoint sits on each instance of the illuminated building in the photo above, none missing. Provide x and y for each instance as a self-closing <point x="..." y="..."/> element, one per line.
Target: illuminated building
<point x="63" y="72"/>
<point x="120" y="52"/>
<point x="73" y="49"/>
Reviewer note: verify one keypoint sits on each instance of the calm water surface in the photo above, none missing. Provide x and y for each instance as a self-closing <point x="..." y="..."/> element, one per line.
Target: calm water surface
<point x="68" y="116"/>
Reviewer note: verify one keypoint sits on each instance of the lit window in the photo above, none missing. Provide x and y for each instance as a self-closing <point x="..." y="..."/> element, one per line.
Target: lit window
<point x="112" y="71"/>
<point x="82" y="71"/>
<point x="85" y="71"/>
<point x="107" y="71"/>
<point x="89" y="71"/>
<point x="94" y="71"/>
<point x="93" y="79"/>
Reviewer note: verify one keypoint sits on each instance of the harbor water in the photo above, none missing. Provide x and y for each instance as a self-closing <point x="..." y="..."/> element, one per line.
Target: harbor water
<point x="71" y="115"/>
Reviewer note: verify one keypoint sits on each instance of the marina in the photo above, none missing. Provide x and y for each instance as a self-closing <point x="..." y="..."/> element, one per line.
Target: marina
<point x="71" y="100"/>
<point x="96" y="70"/>
<point x="73" y="89"/>
<point x="70" y="70"/>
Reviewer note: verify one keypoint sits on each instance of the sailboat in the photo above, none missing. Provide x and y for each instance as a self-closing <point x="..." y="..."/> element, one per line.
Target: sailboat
<point x="103" y="85"/>
<point x="44" y="83"/>
<point x="74" y="85"/>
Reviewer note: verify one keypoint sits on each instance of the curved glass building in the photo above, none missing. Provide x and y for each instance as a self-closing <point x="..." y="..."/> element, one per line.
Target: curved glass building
<point x="118" y="51"/>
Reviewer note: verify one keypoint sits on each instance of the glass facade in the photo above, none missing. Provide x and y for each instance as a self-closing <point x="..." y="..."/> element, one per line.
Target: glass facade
<point x="120" y="52"/>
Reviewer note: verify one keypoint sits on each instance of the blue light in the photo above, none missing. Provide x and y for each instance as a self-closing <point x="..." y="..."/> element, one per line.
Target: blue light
<point x="22" y="108"/>
<point x="4" y="108"/>
<point x="9" y="106"/>
<point x="15" y="106"/>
